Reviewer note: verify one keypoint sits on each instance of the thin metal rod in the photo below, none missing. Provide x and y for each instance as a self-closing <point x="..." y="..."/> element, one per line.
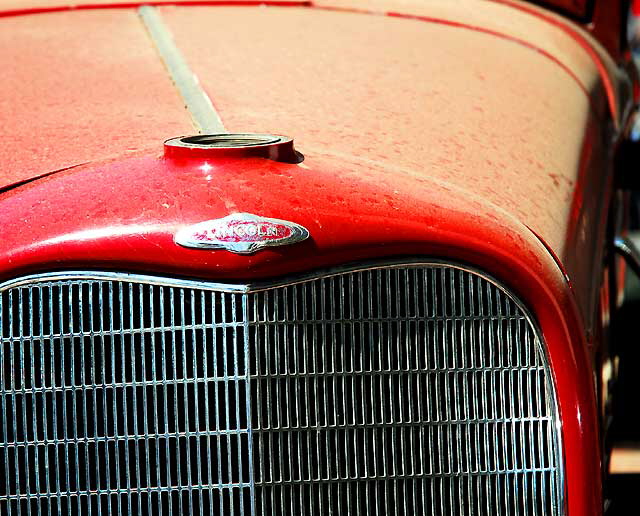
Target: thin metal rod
<point x="203" y="113"/>
<point x="628" y="250"/>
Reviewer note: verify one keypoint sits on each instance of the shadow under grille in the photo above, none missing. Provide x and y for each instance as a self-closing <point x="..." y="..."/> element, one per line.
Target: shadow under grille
<point x="412" y="389"/>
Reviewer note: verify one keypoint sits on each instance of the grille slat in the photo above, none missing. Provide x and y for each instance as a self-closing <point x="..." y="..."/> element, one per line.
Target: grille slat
<point x="401" y="389"/>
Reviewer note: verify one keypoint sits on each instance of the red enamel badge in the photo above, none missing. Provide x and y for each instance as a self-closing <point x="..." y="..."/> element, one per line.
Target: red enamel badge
<point x="241" y="233"/>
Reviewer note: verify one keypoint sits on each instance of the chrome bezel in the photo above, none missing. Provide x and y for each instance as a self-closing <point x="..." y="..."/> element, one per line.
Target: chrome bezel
<point x="184" y="237"/>
<point x="227" y="140"/>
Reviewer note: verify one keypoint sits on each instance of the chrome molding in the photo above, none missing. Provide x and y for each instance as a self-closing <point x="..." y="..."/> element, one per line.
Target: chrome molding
<point x="257" y="286"/>
<point x="252" y="313"/>
<point x="628" y="250"/>
<point x="195" y="98"/>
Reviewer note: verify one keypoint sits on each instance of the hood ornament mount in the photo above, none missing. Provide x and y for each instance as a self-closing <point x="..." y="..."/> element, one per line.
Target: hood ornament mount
<point x="233" y="145"/>
<point x="241" y="233"/>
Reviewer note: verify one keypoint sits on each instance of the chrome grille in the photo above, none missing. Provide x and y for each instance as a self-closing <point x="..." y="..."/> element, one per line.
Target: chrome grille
<point x="400" y="389"/>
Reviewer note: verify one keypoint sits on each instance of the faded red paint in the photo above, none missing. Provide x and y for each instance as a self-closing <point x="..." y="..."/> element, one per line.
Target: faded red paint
<point x="507" y="24"/>
<point x="81" y="87"/>
<point x="512" y="139"/>
<point x="525" y="43"/>
<point x="605" y="24"/>
<point x="19" y="8"/>
<point x="604" y="68"/>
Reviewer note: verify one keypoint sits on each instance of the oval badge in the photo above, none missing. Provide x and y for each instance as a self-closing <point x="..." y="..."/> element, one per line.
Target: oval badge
<point x="241" y="233"/>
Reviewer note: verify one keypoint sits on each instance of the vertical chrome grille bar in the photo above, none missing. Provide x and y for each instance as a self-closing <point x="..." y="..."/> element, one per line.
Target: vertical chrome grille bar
<point x="394" y="389"/>
<point x="174" y="395"/>
<point x="185" y="375"/>
<point x="125" y="412"/>
<point x="216" y="396"/>
<point x="82" y="443"/>
<point x="246" y="318"/>
<point x="154" y="375"/>
<point x="135" y="440"/>
<point x="145" y="402"/>
<point x="204" y="297"/>
<point x="5" y="387"/>
<point x="196" y="409"/>
<point x="44" y="344"/>
<point x="116" y="451"/>
<point x="14" y="418"/>
<point x="103" y="381"/>
<point x="94" y="366"/>
<point x="34" y="419"/>
<point x="65" y="417"/>
<point x="73" y="318"/>
<point x="23" y="397"/>
<point x="225" y="367"/>
<point x="164" y="350"/>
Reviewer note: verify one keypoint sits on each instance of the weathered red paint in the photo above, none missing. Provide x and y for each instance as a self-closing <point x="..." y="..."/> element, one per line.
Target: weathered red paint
<point x="81" y="87"/>
<point x="575" y="8"/>
<point x="606" y="23"/>
<point x="604" y="30"/>
<point x="519" y="41"/>
<point x="520" y="135"/>
<point x="20" y="9"/>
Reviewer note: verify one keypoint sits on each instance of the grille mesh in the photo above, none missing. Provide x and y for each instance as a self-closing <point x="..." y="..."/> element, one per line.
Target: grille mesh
<point x="393" y="390"/>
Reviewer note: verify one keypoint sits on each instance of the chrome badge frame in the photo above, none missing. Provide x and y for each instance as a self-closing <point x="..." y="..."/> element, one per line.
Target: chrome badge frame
<point x="241" y="233"/>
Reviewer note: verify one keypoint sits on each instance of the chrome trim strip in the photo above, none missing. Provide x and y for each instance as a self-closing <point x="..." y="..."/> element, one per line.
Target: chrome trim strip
<point x="560" y="487"/>
<point x="625" y="247"/>
<point x="257" y="286"/>
<point x="202" y="111"/>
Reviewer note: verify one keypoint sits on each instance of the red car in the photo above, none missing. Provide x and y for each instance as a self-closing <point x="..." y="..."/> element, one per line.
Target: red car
<point x="406" y="312"/>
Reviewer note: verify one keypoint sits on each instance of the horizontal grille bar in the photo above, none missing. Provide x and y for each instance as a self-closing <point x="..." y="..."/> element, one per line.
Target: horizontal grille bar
<point x="400" y="389"/>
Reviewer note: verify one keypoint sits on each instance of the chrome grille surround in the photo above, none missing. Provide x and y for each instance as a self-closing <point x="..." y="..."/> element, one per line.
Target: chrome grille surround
<point x="127" y="394"/>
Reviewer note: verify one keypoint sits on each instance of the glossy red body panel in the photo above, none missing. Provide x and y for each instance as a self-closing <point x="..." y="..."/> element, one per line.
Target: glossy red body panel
<point x="507" y="183"/>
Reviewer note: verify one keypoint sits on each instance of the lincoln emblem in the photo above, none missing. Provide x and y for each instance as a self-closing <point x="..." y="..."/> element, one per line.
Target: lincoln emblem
<point x="241" y="233"/>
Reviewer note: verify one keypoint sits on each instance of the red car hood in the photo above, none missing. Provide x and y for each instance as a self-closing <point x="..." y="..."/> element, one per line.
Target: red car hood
<point x="471" y="131"/>
<point x="497" y="104"/>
